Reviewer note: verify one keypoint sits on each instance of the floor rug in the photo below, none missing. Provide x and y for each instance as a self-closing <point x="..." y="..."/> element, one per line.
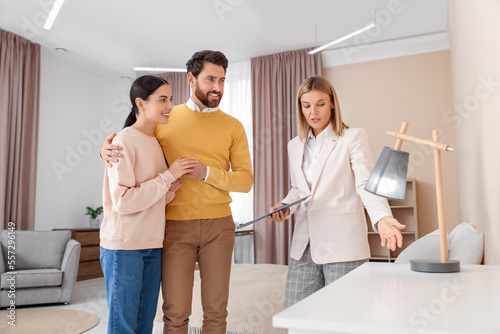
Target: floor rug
<point x="46" y="321"/>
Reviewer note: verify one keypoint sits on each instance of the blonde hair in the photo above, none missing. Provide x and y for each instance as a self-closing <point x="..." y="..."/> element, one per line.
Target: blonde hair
<point x="321" y="84"/>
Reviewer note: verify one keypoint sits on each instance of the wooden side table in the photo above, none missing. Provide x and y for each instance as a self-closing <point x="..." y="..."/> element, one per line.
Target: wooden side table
<point x="89" y="266"/>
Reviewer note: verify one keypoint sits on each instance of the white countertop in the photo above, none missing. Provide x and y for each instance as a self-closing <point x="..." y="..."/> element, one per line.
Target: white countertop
<point x="390" y="298"/>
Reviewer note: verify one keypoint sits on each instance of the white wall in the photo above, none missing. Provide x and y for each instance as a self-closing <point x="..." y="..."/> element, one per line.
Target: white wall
<point x="78" y="109"/>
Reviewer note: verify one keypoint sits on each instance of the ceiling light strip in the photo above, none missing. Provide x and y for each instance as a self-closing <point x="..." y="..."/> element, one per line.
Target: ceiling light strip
<point x="53" y="14"/>
<point x="341" y="39"/>
<point x="159" y="69"/>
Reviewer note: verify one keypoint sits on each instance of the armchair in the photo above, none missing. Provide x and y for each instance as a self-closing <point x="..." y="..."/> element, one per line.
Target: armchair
<point x="46" y="266"/>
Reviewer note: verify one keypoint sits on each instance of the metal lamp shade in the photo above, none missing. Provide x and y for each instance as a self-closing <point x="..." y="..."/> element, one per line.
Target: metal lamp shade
<point x="388" y="177"/>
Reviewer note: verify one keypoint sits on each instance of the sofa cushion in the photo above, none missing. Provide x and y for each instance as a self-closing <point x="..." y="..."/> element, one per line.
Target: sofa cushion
<point x="466" y="244"/>
<point x="37" y="249"/>
<point x="31" y="278"/>
<point x="426" y="247"/>
<point x="461" y="231"/>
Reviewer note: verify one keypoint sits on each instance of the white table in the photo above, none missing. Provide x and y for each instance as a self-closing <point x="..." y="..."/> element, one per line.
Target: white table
<point x="390" y="298"/>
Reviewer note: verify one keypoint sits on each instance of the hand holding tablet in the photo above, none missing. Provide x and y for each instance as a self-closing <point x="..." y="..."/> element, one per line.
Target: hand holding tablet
<point x="284" y="207"/>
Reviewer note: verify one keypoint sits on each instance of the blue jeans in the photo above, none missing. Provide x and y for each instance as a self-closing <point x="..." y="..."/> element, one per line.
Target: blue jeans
<point x="132" y="287"/>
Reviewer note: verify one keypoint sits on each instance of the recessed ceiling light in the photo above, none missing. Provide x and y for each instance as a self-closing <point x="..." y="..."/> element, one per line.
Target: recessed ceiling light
<point x="159" y="69"/>
<point x="124" y="76"/>
<point x="59" y="49"/>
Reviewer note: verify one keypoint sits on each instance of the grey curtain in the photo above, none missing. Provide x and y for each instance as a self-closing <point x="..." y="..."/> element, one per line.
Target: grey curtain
<point x="179" y="85"/>
<point x="19" y="97"/>
<point x="275" y="81"/>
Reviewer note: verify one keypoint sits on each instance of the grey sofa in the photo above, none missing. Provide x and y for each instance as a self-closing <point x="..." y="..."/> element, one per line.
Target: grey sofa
<point x="46" y="266"/>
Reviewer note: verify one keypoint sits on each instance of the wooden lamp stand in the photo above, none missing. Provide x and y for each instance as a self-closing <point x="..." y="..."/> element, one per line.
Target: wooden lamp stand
<point x="427" y="265"/>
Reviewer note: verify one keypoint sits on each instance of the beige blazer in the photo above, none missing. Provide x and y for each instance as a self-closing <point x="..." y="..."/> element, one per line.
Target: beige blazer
<point x="332" y="220"/>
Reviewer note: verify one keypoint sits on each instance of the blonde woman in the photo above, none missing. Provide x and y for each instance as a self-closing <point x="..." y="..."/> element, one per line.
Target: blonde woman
<point x="331" y="162"/>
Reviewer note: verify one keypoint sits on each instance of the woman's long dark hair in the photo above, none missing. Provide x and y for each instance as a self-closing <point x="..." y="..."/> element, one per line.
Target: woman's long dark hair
<point x="142" y="87"/>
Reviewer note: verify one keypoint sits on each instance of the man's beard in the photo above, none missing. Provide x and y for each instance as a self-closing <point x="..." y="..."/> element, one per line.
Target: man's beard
<point x="204" y="99"/>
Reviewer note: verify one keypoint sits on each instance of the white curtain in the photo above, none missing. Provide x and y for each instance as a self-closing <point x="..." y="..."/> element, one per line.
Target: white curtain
<point x="237" y="102"/>
<point x="475" y="70"/>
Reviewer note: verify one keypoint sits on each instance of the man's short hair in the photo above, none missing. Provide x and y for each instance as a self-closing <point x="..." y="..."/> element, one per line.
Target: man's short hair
<point x="195" y="64"/>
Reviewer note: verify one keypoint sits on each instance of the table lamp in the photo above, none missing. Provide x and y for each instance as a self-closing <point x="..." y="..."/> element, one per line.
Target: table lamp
<point x="388" y="179"/>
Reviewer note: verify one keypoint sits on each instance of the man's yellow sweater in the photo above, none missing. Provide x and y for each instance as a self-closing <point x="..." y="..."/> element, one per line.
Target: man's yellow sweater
<point x="219" y="141"/>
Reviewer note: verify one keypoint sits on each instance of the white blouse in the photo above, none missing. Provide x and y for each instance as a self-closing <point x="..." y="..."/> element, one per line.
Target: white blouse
<point x="311" y="153"/>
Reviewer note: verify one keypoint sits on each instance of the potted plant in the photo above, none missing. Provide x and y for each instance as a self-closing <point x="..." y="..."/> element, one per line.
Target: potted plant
<point x="94" y="215"/>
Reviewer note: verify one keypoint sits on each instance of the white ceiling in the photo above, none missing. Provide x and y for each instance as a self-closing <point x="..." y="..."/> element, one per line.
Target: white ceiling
<point x="117" y="35"/>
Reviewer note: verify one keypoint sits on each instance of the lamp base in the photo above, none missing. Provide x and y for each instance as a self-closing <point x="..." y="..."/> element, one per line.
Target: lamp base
<point x="435" y="266"/>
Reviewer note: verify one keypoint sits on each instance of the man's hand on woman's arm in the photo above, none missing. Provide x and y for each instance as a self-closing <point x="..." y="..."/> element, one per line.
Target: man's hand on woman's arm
<point x="109" y="152"/>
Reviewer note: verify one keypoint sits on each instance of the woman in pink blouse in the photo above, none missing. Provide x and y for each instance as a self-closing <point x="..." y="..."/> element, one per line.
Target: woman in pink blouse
<point x="135" y="192"/>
